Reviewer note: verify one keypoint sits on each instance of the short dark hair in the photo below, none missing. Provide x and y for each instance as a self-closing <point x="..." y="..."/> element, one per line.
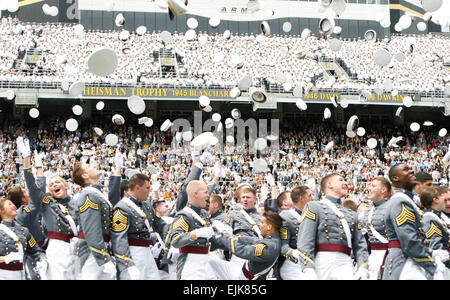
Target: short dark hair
<point x="274" y="219"/>
<point x="423" y="177"/>
<point x="297" y="192"/>
<point x="427" y="196"/>
<point x="123" y="186"/>
<point x="77" y="173"/>
<point x="214" y="198"/>
<point x="281" y="197"/>
<point x="15" y="194"/>
<point x="137" y="179"/>
<point x="323" y="183"/>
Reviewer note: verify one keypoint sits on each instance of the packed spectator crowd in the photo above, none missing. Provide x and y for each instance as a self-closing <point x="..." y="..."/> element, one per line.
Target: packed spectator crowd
<point x="211" y="59"/>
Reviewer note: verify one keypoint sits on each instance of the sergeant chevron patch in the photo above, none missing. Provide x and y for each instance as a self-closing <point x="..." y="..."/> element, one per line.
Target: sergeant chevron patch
<point x="307" y="214"/>
<point x="405" y="215"/>
<point x="119" y="221"/>
<point x="433" y="230"/>
<point x="259" y="249"/>
<point x="88" y="204"/>
<point x="181" y="223"/>
<point x="283" y="233"/>
<point x="32" y="242"/>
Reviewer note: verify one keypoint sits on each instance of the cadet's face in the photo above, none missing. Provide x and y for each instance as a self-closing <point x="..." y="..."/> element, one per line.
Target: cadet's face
<point x="91" y="170"/>
<point x="375" y="190"/>
<point x="287" y="202"/>
<point x="248" y="200"/>
<point x="9" y="210"/>
<point x="57" y="188"/>
<point x="308" y="196"/>
<point x="405" y="177"/>
<point x="264" y="226"/>
<point x="447" y="202"/>
<point x="440" y="202"/>
<point x="203" y="197"/>
<point x="338" y="185"/>
<point x="143" y="191"/>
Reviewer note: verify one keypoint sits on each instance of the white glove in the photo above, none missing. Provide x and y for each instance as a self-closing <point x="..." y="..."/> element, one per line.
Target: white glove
<point x="362" y="274"/>
<point x="440" y="271"/>
<point x="309" y="274"/>
<point x="195" y="156"/>
<point x="13" y="256"/>
<point x="38" y="159"/>
<point x="41" y="268"/>
<point x="156" y="249"/>
<point x="155" y="186"/>
<point x="440" y="255"/>
<point x="109" y="268"/>
<point x="23" y="146"/>
<point x="119" y="159"/>
<point x="133" y="273"/>
<point x="296" y="255"/>
<point x="221" y="227"/>
<point x="207" y="158"/>
<point x="173" y="253"/>
<point x="204" y="232"/>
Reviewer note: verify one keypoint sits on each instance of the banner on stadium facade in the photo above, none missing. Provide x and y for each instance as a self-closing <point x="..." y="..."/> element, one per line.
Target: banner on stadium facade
<point x="144" y="92"/>
<point x="322" y="97"/>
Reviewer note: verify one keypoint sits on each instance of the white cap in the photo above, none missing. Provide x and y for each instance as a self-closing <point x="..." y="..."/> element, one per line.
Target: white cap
<point x="227" y="34"/>
<point x="166" y="125"/>
<point x="419" y="61"/>
<point x="124" y="35"/>
<point x="400" y="57"/>
<point x="235" y="92"/>
<point x="33" y="112"/>
<point x="414" y="126"/>
<point x="166" y="37"/>
<point x="333" y="100"/>
<point x="214" y="22"/>
<point x="237" y="61"/>
<point x="260" y="143"/>
<point x="102" y="62"/>
<point x="187" y="136"/>
<point x="326" y="25"/>
<point x="258" y="95"/>
<point x="394" y="93"/>
<point x="329" y="146"/>
<point x="100" y="105"/>
<point x="190" y="35"/>
<point x="235" y="113"/>
<point x="111" y="139"/>
<point x="207" y="108"/>
<point x="287" y="26"/>
<point x="335" y="44"/>
<point x="204" y="100"/>
<point x="141" y="30"/>
<point x="265" y="28"/>
<point x="360" y="131"/>
<point x="301" y="104"/>
<point x="447" y="89"/>
<point x="179" y="136"/>
<point x="213" y="141"/>
<point x="421" y="26"/>
<point x="143" y="120"/>
<point x="77" y="110"/>
<point x="446" y="158"/>
<point x="71" y="124"/>
<point x="344" y="103"/>
<point x="120" y="20"/>
<point x="352" y="123"/>
<point x="337" y="30"/>
<point x="405" y="21"/>
<point x="350" y="134"/>
<point x="118" y="119"/>
<point x="192" y="23"/>
<point x="386" y="22"/>
<point x="177" y="7"/>
<point x="148" y="122"/>
<point x="387" y="85"/>
<point x="271" y="137"/>
<point x="382" y="57"/>
<point x="372" y="143"/>
<point x="370" y="35"/>
<point x="428" y="123"/>
<point x="229" y="122"/>
<point x="136" y="105"/>
<point x="76" y="88"/>
<point x="431" y="5"/>
<point x="216" y="117"/>
<point x="98" y="131"/>
<point x="407" y="101"/>
<point x="442" y="132"/>
<point x="245" y="82"/>
<point x="138" y="140"/>
<point x="326" y="113"/>
<point x="259" y="165"/>
<point x="399" y="111"/>
<point x="305" y="33"/>
<point x="202" y="141"/>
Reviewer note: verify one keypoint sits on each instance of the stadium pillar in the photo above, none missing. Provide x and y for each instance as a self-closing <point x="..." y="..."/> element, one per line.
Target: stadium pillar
<point x="152" y="109"/>
<point x="87" y="112"/>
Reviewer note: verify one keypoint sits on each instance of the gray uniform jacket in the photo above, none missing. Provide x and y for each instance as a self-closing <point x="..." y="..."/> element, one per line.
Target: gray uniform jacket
<point x="29" y="244"/>
<point x="183" y="224"/>
<point x="436" y="232"/>
<point x="129" y="228"/>
<point x="261" y="253"/>
<point x="378" y="224"/>
<point x="404" y="224"/>
<point x="30" y="217"/>
<point x="289" y="234"/>
<point x="95" y="215"/>
<point x="53" y="216"/>
<point x="240" y="224"/>
<point x="320" y="225"/>
<point x="219" y="215"/>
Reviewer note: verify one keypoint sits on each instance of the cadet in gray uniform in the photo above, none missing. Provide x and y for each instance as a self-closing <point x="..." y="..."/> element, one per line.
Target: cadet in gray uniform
<point x="59" y="215"/>
<point x="95" y="213"/>
<point x="259" y="254"/>
<point x="288" y="263"/>
<point x="373" y="225"/>
<point x="133" y="222"/>
<point x="408" y="257"/>
<point x="15" y="242"/>
<point x="192" y="234"/>
<point x="330" y="236"/>
<point x="435" y="228"/>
